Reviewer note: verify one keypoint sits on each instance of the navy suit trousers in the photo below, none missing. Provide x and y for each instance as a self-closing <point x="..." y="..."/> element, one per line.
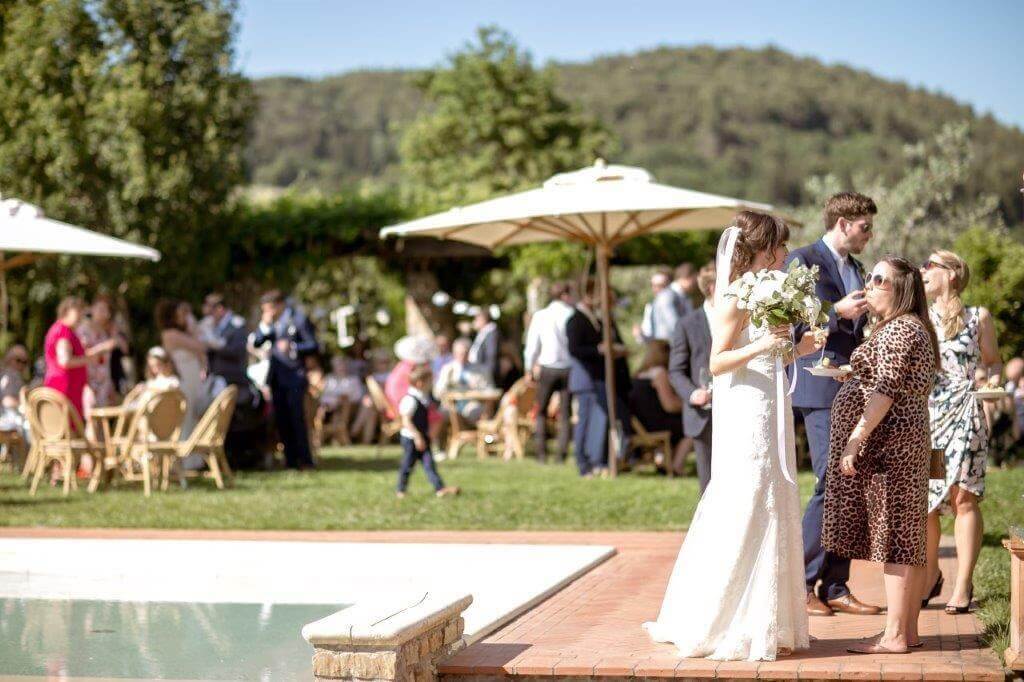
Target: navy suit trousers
<point x="833" y="571"/>
<point x="290" y="415"/>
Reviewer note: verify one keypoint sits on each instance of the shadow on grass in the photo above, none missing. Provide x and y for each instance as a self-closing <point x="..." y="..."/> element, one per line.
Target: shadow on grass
<point x="382" y="463"/>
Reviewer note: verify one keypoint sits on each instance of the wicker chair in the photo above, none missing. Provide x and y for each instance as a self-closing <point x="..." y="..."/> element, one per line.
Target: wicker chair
<point x="153" y="434"/>
<point x="494" y="432"/>
<point x="390" y="423"/>
<point x="651" y="442"/>
<point x="207" y="440"/>
<point x="57" y="433"/>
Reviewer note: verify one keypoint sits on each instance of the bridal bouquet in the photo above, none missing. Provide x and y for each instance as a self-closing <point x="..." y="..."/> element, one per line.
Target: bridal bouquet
<point x="775" y="297"/>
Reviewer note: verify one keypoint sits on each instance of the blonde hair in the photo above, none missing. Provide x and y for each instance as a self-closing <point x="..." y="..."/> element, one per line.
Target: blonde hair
<point x="951" y="320"/>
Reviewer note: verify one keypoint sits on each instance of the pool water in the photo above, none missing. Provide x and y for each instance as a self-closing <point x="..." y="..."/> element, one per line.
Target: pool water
<point x="156" y="640"/>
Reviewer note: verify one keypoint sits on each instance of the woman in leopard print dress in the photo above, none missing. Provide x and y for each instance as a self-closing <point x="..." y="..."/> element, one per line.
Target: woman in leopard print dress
<point x="876" y="494"/>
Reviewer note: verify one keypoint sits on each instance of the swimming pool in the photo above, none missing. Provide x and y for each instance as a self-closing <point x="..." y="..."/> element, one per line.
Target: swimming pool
<point x="212" y="609"/>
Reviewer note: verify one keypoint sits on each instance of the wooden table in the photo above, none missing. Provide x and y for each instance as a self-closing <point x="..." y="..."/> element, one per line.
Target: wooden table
<point x="111" y="421"/>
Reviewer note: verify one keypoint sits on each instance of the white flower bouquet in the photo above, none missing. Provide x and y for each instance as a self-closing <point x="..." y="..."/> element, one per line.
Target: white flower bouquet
<point x="776" y="297"/>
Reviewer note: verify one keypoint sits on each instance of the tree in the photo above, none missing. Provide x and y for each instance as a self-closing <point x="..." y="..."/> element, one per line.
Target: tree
<point x="494" y="124"/>
<point x="128" y="118"/>
<point x="997" y="278"/>
<point x="924" y="209"/>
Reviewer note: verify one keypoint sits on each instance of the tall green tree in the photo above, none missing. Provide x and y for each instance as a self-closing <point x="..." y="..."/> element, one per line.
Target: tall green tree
<point x="128" y="117"/>
<point x="493" y="123"/>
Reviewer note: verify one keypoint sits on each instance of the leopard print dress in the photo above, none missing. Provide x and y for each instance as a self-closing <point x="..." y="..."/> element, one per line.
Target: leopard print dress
<point x="879" y="513"/>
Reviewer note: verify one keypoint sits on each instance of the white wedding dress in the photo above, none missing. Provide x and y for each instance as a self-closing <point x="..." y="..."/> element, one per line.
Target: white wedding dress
<point x="737" y="590"/>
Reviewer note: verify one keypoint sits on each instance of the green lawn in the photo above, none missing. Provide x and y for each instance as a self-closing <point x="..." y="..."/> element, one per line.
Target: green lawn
<point x="354" y="490"/>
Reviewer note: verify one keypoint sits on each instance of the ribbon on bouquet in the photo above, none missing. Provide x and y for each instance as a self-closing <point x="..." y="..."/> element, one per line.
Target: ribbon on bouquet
<point x="780" y="414"/>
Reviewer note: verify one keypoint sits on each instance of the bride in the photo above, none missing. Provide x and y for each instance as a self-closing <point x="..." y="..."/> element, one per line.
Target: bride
<point x="737" y="590"/>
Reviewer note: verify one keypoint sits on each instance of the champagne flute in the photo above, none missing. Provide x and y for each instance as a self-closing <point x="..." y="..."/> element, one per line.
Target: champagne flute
<point x="707" y="383"/>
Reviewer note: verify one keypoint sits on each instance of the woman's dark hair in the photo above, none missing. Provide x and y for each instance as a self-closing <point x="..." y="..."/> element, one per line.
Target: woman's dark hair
<point x="166" y="315"/>
<point x="655" y="355"/>
<point x="759" y="233"/>
<point x="908" y="297"/>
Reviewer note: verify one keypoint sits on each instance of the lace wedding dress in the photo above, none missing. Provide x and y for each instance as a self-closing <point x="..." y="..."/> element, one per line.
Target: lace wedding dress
<point x="737" y="590"/>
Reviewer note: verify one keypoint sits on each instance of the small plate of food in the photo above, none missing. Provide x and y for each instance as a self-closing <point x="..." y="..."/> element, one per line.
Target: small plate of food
<point x="990" y="393"/>
<point x="825" y="368"/>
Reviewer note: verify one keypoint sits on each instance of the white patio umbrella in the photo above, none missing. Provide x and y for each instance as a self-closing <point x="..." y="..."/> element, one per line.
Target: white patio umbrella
<point x="602" y="206"/>
<point x="25" y="230"/>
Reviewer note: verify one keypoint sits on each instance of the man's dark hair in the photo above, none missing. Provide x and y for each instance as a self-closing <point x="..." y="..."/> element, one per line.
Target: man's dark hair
<point x="273" y="296"/>
<point x="214" y="299"/>
<point x="559" y="289"/>
<point x="684" y="270"/>
<point x="849" y="205"/>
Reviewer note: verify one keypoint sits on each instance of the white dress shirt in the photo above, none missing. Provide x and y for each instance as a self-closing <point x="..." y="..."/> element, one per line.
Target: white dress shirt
<point x="546" y="343"/>
<point x="847" y="271"/>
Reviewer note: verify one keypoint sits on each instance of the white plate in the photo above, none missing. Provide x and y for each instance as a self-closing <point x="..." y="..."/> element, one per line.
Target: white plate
<point x="990" y="394"/>
<point x="831" y="372"/>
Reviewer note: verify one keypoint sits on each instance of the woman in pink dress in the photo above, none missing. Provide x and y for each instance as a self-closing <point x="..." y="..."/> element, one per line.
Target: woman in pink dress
<point x="66" y="358"/>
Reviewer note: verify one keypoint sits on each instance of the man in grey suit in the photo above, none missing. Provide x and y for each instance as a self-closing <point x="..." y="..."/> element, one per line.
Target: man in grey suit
<point x="486" y="344"/>
<point x="227" y="356"/>
<point x="689" y="373"/>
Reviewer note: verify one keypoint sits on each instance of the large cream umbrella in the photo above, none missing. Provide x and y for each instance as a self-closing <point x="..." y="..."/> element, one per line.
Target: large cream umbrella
<point x="602" y="206"/>
<point x="25" y="230"/>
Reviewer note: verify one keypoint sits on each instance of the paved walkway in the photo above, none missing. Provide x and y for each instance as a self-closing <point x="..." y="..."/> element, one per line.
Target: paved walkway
<point x="592" y="627"/>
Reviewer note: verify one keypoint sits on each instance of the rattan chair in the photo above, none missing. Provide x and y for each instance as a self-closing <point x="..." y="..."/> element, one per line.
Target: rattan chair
<point x="651" y="442"/>
<point x="207" y="440"/>
<point x="57" y="433"/>
<point x="153" y="434"/>
<point x="494" y="432"/>
<point x="390" y="423"/>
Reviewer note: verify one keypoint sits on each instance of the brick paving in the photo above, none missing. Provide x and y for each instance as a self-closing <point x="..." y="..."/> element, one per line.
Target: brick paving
<point x="592" y="627"/>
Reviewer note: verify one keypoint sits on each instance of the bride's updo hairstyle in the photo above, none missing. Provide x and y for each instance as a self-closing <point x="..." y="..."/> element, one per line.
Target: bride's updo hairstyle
<point x="759" y="233"/>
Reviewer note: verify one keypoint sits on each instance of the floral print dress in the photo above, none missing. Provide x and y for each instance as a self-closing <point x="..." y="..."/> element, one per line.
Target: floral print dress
<point x="957" y="420"/>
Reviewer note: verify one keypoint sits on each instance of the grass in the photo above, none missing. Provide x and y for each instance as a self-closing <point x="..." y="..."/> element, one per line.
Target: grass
<point x="354" y="490"/>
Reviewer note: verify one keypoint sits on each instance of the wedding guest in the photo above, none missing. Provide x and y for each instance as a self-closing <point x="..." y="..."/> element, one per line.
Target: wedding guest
<point x="690" y="374"/>
<point x="444" y="353"/>
<point x="649" y="320"/>
<point x="849" y="221"/>
<point x="292" y="338"/>
<point x="224" y="333"/>
<point x="414" y="434"/>
<point x="12" y="380"/>
<point x="685" y="286"/>
<point x="67" y="358"/>
<point x="653" y="401"/>
<point x="1015" y="388"/>
<point x="584" y="335"/>
<point x="958" y="425"/>
<point x="179" y="336"/>
<point x="461" y="375"/>
<point x="876" y="496"/>
<point x="99" y="326"/>
<point x="346" y="391"/>
<point x="546" y="360"/>
<point x="486" y="347"/>
<point x="161" y="375"/>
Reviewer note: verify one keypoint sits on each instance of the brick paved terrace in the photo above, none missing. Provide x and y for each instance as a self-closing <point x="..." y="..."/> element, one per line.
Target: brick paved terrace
<point x="591" y="629"/>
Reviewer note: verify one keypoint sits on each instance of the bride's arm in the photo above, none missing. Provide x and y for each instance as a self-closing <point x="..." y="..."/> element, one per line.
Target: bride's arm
<point x="728" y="321"/>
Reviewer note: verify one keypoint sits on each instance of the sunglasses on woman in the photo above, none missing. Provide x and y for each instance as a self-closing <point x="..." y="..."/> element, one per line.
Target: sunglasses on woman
<point x="878" y="281"/>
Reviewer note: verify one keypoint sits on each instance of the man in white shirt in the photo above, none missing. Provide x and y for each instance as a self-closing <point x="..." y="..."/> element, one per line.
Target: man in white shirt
<point x="459" y="375"/>
<point x="547" y="361"/>
<point x="652" y="323"/>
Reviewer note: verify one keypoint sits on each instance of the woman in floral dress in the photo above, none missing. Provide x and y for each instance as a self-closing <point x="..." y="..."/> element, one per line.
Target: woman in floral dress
<point x="968" y="341"/>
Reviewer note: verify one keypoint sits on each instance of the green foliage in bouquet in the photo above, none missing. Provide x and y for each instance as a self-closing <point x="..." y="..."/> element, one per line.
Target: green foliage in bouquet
<point x="776" y="297"/>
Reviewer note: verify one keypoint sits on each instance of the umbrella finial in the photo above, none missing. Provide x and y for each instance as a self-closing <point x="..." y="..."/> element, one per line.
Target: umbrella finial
<point x="600" y="163"/>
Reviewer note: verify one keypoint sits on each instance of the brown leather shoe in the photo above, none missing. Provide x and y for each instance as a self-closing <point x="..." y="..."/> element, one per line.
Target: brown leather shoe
<point x="850" y="604"/>
<point x="815" y="607"/>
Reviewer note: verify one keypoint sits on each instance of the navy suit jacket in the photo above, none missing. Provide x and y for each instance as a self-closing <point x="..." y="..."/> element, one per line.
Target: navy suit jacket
<point x="843" y="335"/>
<point x="229" y="361"/>
<point x="690" y="351"/>
<point x="586" y="371"/>
<point x="288" y="370"/>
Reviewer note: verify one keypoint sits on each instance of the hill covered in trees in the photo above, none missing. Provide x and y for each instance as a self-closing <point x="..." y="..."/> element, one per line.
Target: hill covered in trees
<point x="753" y="123"/>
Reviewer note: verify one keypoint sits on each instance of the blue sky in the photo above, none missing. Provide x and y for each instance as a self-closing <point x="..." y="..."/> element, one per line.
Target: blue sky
<point x="972" y="51"/>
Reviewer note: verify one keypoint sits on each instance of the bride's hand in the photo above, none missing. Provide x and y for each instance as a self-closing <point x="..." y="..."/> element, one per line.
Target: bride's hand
<point x="777" y="339"/>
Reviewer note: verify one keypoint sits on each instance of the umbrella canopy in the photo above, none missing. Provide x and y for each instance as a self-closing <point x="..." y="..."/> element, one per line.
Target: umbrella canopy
<point x="24" y="228"/>
<point x="602" y="206"/>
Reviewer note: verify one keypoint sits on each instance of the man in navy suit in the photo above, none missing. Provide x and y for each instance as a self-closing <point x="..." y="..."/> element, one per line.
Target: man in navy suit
<point x="848" y="223"/>
<point x="293" y="338"/>
<point x="689" y="372"/>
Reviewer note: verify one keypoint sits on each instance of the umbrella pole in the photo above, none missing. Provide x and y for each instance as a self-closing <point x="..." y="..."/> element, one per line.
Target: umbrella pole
<point x="603" y="255"/>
